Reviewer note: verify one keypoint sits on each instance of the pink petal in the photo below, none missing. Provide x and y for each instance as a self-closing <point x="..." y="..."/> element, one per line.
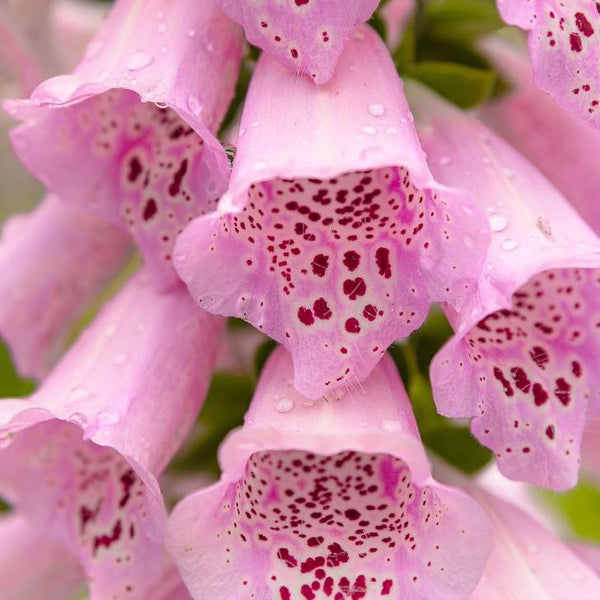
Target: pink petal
<point x="528" y="561"/>
<point x="306" y="36"/>
<point x="54" y="261"/>
<point x="558" y="143"/>
<point x="328" y="499"/>
<point x="53" y="574"/>
<point x="522" y="362"/>
<point x="590" y="449"/>
<point x="589" y="553"/>
<point x="84" y="452"/>
<point x="150" y="166"/>
<point x="334" y="239"/>
<point x="564" y="49"/>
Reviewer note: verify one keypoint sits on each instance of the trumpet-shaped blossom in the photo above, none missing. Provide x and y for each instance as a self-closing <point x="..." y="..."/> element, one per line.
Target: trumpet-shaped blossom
<point x="522" y="362"/>
<point x="80" y="458"/>
<point x="306" y="36"/>
<point x="565" y="50"/>
<point x="328" y="500"/>
<point x="559" y="144"/>
<point x="130" y="134"/>
<point x="53" y="262"/>
<point x="333" y="237"/>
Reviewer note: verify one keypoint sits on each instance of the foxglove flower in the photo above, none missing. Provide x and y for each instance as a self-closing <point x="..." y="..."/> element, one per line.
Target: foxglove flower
<point x="333" y="237"/>
<point x="522" y="362"/>
<point x="565" y="49"/>
<point x="559" y="144"/>
<point x="306" y="36"/>
<point x="131" y="133"/>
<point x="527" y="560"/>
<point x="328" y="500"/>
<point x="53" y="262"/>
<point x="81" y="456"/>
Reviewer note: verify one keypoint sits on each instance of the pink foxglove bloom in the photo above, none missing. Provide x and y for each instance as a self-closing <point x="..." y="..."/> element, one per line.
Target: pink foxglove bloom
<point x="558" y="143"/>
<point x="590" y="449"/>
<point x="528" y="560"/>
<point x="564" y="44"/>
<point x="395" y="14"/>
<point x="306" y="36"/>
<point x="328" y="500"/>
<point x="131" y="133"/>
<point x="53" y="262"/>
<point x="52" y="573"/>
<point x="81" y="457"/>
<point x="523" y="361"/>
<point x="589" y="553"/>
<point x="333" y="238"/>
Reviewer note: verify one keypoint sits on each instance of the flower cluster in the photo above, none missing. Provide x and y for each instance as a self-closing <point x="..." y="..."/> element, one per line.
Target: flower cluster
<point x="264" y="160"/>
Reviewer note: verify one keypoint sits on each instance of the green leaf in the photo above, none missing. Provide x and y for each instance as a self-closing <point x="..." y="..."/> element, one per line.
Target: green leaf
<point x="460" y="19"/>
<point x="11" y="385"/>
<point x="458" y="447"/>
<point x="463" y="85"/>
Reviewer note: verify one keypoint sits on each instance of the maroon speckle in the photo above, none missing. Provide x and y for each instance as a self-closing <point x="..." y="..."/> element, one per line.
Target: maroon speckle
<point x="539" y="356"/>
<point x="150" y="209"/>
<point x="352" y="325"/>
<point x="108" y="540"/>
<point x="583" y="24"/>
<point x="319" y="264"/>
<point x="351" y="260"/>
<point x="563" y="391"/>
<point x="382" y="258"/>
<point x="305" y="316"/>
<point x="386" y="587"/>
<point x="355" y="287"/>
<point x="499" y="375"/>
<point x="175" y="186"/>
<point x="352" y="514"/>
<point x="370" y="312"/>
<point x="540" y="395"/>
<point x="576" y="43"/>
<point x="284" y="555"/>
<point x="135" y="169"/>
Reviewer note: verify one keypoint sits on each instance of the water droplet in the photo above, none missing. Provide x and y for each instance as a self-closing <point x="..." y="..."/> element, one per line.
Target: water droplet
<point x="445" y="161"/>
<point x="110" y="331"/>
<point x="79" y="394"/>
<point x="78" y="419"/>
<point x="508" y="172"/>
<point x="161" y="105"/>
<point x="486" y="160"/>
<point x="377" y="110"/>
<point x="108" y="417"/>
<point x="369" y="130"/>
<point x="191" y="32"/>
<point x="259" y="166"/>
<point x="304" y="143"/>
<point x="498" y="222"/>
<point x="139" y="60"/>
<point x="255" y="124"/>
<point x="120" y="359"/>
<point x="391" y="131"/>
<point x="284" y="405"/>
<point x="163" y="49"/>
<point x="391" y="426"/>
<point x="509" y="244"/>
<point x="161" y="28"/>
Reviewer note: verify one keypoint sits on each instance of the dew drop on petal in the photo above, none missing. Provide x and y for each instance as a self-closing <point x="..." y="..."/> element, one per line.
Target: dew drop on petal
<point x="78" y="419"/>
<point x="79" y="394"/>
<point x="369" y="130"/>
<point x="498" y="222"/>
<point x="377" y="110"/>
<point x="391" y="426"/>
<point x="509" y="244"/>
<point x="139" y="60"/>
<point x="284" y="405"/>
<point x="120" y="359"/>
<point x="108" y="417"/>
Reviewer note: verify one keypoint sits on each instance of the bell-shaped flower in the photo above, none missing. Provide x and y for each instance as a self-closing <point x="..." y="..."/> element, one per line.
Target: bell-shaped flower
<point x="589" y="553"/>
<point x="306" y="36"/>
<point x="559" y="144"/>
<point x="564" y="44"/>
<point x="523" y="360"/>
<point x="81" y="457"/>
<point x="528" y="560"/>
<point x="130" y="134"/>
<point x="333" y="237"/>
<point x="395" y="13"/>
<point x="53" y="261"/>
<point x="328" y="499"/>
<point x="52" y="573"/>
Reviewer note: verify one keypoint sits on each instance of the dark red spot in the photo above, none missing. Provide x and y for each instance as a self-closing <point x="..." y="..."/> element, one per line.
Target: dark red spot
<point x="321" y="309"/>
<point x="284" y="555"/>
<point x="127" y="480"/>
<point x="540" y="395"/>
<point x="305" y="315"/>
<point x="150" y="209"/>
<point x="310" y="564"/>
<point x="499" y="375"/>
<point x="351" y="260"/>
<point x="135" y="169"/>
<point x="521" y="380"/>
<point x="352" y="514"/>
<point x="539" y="356"/>
<point x="583" y="24"/>
<point x="576" y="368"/>
<point x="355" y="287"/>
<point x="550" y="431"/>
<point x="576" y="43"/>
<point x="319" y="264"/>
<point x="175" y="186"/>
<point x="370" y="312"/>
<point x="108" y="540"/>
<point x="285" y="593"/>
<point x="315" y="541"/>
<point x="563" y="391"/>
<point x="386" y="587"/>
<point x="301" y="2"/>
<point x="352" y="325"/>
<point x="382" y="258"/>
